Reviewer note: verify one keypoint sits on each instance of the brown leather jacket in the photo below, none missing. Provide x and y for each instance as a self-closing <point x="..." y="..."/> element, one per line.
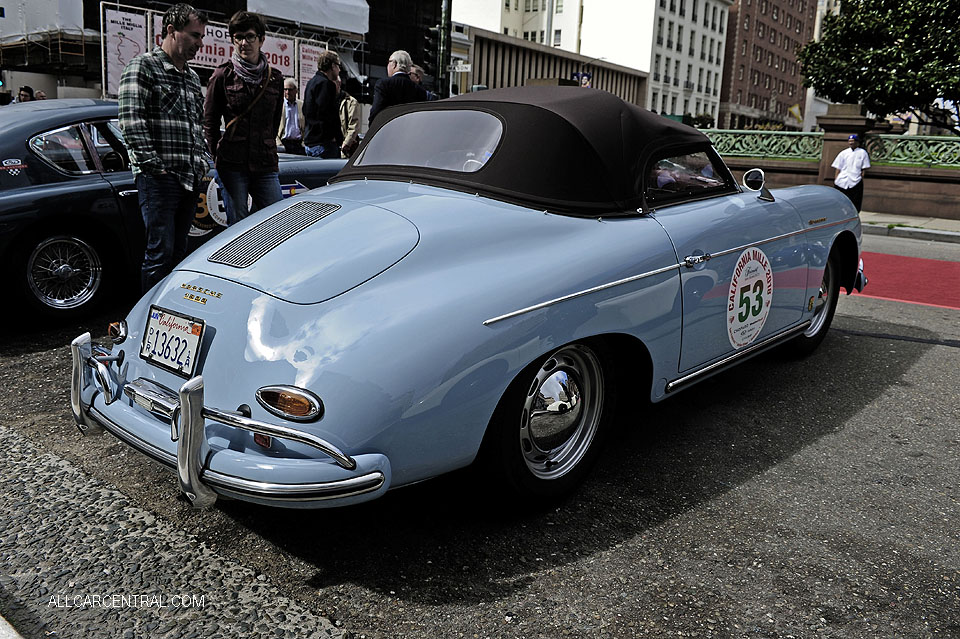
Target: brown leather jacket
<point x="250" y="144"/>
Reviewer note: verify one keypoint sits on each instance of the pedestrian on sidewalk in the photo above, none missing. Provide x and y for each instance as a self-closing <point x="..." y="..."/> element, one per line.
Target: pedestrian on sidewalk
<point x="245" y="92"/>
<point x="850" y="165"/>
<point x="323" y="136"/>
<point x="161" y="116"/>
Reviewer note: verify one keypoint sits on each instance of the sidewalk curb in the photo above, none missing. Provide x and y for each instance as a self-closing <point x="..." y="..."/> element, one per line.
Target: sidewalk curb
<point x="7" y="631"/>
<point x="914" y="233"/>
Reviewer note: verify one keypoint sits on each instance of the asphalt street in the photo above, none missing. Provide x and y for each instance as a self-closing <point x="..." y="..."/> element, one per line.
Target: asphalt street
<point x="783" y="498"/>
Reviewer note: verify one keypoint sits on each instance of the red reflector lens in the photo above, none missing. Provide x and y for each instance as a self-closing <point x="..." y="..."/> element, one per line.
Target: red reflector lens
<point x="262" y="440"/>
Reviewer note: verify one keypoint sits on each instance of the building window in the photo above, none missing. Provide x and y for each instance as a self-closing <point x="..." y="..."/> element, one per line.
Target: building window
<point x="656" y="99"/>
<point x="694" y="16"/>
<point x="713" y="21"/>
<point x="536" y="5"/>
<point x="556" y="37"/>
<point x="506" y="31"/>
<point x="739" y="96"/>
<point x="526" y="35"/>
<point x="686" y="106"/>
<point x="673" y="105"/>
<point x="683" y="8"/>
<point x="721" y="21"/>
<point x="543" y="37"/>
<point x="559" y="6"/>
<point x="526" y="6"/>
<point x="680" y="38"/>
<point x="659" y="30"/>
<point x="740" y="73"/>
<point x="506" y="4"/>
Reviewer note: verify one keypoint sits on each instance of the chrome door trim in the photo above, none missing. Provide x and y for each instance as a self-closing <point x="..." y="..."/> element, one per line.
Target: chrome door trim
<point x="601" y="287"/>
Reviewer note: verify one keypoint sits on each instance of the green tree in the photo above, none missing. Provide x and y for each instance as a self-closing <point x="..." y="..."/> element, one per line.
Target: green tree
<point x="893" y="56"/>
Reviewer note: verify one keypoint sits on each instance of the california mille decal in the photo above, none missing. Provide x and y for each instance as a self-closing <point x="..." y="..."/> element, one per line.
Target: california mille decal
<point x="199" y="294"/>
<point x="751" y="294"/>
<point x="13" y="166"/>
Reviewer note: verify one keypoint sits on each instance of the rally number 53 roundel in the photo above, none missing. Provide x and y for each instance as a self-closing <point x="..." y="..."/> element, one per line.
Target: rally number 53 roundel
<point x="751" y="293"/>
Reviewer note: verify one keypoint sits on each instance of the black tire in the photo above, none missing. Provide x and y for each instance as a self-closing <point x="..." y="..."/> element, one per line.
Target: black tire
<point x="825" y="305"/>
<point x="61" y="275"/>
<point x="537" y="452"/>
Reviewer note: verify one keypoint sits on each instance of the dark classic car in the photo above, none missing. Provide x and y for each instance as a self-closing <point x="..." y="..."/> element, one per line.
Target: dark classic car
<point x="485" y="278"/>
<point x="70" y="225"/>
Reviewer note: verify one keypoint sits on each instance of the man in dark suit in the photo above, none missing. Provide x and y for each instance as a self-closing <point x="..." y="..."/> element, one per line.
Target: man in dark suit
<point x="398" y="88"/>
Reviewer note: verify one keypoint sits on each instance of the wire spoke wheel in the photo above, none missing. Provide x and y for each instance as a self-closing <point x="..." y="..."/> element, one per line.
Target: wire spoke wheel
<point x="63" y="272"/>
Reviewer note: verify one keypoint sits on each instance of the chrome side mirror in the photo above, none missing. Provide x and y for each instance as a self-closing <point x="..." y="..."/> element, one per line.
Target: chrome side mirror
<point x="754" y="180"/>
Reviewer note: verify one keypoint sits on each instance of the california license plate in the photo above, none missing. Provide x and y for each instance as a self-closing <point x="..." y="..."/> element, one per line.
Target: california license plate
<point x="172" y="341"/>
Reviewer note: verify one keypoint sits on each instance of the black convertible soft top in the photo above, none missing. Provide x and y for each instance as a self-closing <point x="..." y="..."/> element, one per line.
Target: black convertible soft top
<point x="567" y="149"/>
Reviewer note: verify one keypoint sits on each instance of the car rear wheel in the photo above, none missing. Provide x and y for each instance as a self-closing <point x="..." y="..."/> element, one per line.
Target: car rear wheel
<point x="547" y="430"/>
<point x="62" y="274"/>
<point x="824" y="306"/>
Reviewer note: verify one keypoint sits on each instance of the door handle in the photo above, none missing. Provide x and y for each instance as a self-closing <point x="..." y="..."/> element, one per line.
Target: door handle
<point x="692" y="260"/>
<point x="126" y="193"/>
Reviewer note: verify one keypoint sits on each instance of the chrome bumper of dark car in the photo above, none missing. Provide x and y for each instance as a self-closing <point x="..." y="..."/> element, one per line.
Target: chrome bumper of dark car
<point x="187" y="415"/>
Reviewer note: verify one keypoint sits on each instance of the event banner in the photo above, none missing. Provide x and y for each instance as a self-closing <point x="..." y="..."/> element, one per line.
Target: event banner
<point x="124" y="38"/>
<point x="217" y="47"/>
<point x="309" y="57"/>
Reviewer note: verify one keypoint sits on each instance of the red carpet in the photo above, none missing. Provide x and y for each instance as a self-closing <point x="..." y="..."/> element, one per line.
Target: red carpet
<point x="913" y="280"/>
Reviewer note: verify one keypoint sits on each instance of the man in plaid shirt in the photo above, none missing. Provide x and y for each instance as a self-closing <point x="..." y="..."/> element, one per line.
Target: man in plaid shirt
<point x="161" y="114"/>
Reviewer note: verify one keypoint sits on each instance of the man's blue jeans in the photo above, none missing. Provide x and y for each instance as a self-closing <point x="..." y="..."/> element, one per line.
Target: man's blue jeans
<point x="239" y="186"/>
<point x="327" y="151"/>
<point x="168" y="210"/>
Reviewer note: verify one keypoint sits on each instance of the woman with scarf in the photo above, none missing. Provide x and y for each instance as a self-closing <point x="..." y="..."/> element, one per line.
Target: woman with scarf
<point x="245" y="96"/>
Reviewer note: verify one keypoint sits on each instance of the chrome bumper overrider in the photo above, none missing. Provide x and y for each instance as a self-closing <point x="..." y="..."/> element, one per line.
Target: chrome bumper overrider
<point x="861" y="280"/>
<point x="187" y="415"/>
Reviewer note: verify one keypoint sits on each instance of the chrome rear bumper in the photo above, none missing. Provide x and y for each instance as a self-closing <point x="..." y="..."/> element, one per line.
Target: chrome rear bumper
<point x="186" y="413"/>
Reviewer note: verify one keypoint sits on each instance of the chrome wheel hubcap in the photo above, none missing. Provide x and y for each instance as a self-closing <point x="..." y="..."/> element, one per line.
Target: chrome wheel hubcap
<point x="822" y="302"/>
<point x="561" y="412"/>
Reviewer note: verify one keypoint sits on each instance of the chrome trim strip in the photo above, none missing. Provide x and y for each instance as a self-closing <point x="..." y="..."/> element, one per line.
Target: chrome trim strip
<point x="779" y="237"/>
<point x="285" y="432"/>
<point x="686" y="379"/>
<point x="571" y="296"/>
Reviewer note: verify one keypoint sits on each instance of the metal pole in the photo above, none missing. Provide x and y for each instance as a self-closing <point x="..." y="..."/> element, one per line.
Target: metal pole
<point x="446" y="26"/>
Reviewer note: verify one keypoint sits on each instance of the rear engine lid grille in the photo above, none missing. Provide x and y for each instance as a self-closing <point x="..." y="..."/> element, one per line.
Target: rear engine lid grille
<point x="249" y="247"/>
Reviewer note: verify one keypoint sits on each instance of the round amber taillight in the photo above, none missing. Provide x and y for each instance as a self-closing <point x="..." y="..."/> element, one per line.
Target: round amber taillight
<point x="290" y="402"/>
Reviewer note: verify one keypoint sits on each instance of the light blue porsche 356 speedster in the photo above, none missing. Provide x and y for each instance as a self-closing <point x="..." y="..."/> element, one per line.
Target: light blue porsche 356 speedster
<point x="477" y="285"/>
